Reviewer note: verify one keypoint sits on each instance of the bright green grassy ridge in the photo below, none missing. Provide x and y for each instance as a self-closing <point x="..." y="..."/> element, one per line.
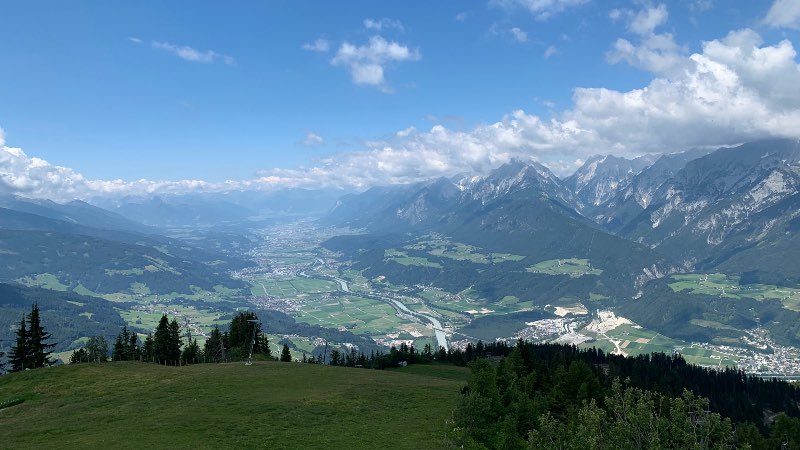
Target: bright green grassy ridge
<point x="267" y="405"/>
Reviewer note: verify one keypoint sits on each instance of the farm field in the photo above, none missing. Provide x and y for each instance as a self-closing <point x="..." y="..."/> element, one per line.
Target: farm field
<point x="635" y="340"/>
<point x="269" y="404"/>
<point x="571" y="266"/>
<point x="439" y="245"/>
<point x="402" y="257"/>
<point x="728" y="286"/>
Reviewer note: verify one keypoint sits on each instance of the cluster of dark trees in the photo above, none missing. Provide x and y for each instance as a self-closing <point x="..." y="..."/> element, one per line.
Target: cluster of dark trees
<point x="164" y="346"/>
<point x="244" y="335"/>
<point x="408" y="354"/>
<point x="31" y="348"/>
<point x="559" y="396"/>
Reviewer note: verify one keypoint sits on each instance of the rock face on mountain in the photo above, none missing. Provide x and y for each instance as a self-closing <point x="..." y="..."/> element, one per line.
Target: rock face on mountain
<point x="601" y="178"/>
<point x="723" y="203"/>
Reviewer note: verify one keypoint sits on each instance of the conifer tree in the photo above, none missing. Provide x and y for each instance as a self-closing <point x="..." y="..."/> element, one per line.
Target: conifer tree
<point x="125" y="347"/>
<point x="191" y="353"/>
<point x="262" y="344"/>
<point x="79" y="356"/>
<point x="286" y="356"/>
<point x="212" y="350"/>
<point x="174" y="341"/>
<point x="148" y="348"/>
<point x="133" y="350"/>
<point x="20" y="357"/>
<point x="118" y="354"/>
<point x="37" y="340"/>
<point x="161" y="341"/>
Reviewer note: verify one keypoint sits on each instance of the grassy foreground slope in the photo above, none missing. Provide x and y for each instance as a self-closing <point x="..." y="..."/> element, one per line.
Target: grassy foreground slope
<point x="267" y="405"/>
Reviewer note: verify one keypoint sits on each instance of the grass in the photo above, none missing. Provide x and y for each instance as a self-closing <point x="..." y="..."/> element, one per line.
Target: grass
<point x="43" y="280"/>
<point x="718" y="284"/>
<point x="403" y="258"/>
<point x="267" y="405"/>
<point x="571" y="266"/>
<point x="438" y="245"/>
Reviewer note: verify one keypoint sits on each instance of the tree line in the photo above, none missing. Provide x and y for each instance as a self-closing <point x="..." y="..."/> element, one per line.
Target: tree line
<point x="166" y="346"/>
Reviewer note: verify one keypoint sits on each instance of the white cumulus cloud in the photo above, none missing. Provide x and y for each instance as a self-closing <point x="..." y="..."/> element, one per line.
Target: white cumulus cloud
<point x="654" y="52"/>
<point x="648" y="19"/>
<point x="367" y="63"/>
<point x="736" y="89"/>
<point x="784" y="14"/>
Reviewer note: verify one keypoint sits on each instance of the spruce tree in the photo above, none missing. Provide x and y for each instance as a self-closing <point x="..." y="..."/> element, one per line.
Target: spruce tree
<point x="79" y="356"/>
<point x="175" y="341"/>
<point x="20" y="357"/>
<point x="286" y="356"/>
<point x="118" y="354"/>
<point x="161" y="341"/>
<point x="191" y="353"/>
<point x="241" y="332"/>
<point x="132" y="350"/>
<point x="37" y="337"/>
<point x="262" y="344"/>
<point x="212" y="350"/>
<point x="148" y="348"/>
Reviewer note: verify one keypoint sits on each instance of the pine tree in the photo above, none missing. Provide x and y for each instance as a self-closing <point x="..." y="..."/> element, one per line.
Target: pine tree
<point x="118" y="354"/>
<point x="37" y="337"/>
<point x="79" y="356"/>
<point x="161" y="344"/>
<point x="20" y="357"/>
<point x="286" y="356"/>
<point x="148" y="348"/>
<point x="191" y="353"/>
<point x="212" y="350"/>
<point x="133" y="351"/>
<point x="242" y="331"/>
<point x="263" y="346"/>
<point x="175" y="341"/>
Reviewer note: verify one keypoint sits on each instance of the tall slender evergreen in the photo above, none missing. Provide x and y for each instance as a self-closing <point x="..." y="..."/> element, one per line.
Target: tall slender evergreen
<point x="161" y="341"/>
<point x="37" y="338"/>
<point x="20" y="357"/>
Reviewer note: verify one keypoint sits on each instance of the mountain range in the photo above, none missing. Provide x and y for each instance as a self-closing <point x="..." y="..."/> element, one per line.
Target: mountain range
<point x="634" y="223"/>
<point x="702" y="209"/>
<point x="612" y="234"/>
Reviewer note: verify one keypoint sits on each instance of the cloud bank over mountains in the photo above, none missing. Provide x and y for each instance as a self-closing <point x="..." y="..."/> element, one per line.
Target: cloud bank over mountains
<point x="737" y="89"/>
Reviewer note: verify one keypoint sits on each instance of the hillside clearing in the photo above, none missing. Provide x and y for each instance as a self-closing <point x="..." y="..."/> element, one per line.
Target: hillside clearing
<point x="267" y="405"/>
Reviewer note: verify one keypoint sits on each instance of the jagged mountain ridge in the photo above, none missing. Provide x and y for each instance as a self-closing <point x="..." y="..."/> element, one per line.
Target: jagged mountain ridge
<point x="600" y="178"/>
<point x="699" y="207"/>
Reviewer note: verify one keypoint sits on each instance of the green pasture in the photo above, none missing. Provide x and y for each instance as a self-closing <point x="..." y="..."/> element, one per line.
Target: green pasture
<point x="573" y="267"/>
<point x="267" y="405"/>
<point x="718" y="284"/>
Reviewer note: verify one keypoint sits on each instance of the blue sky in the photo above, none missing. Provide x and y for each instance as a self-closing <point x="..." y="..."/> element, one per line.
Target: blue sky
<point x="298" y="93"/>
